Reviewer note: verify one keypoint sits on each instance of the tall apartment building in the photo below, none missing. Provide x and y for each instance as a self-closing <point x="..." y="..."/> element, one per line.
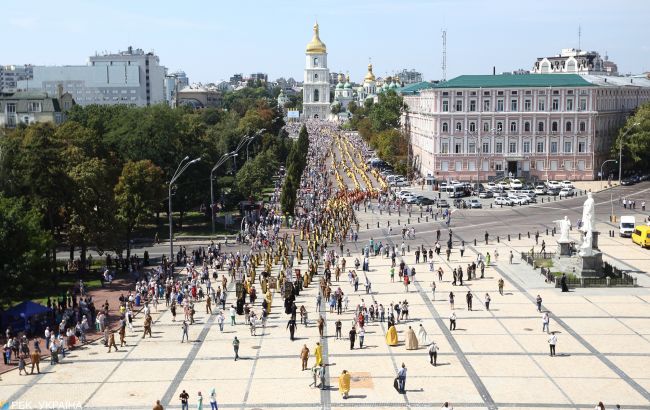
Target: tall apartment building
<point x="409" y="76"/>
<point x="11" y="74"/>
<point x="559" y="126"/>
<point x="127" y="77"/>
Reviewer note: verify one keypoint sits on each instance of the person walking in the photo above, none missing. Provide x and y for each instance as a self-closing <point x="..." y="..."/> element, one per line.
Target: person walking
<point x="512" y="256"/>
<point x="111" y="342"/>
<point x="185" y="327"/>
<point x="158" y="406"/>
<point x="321" y="326"/>
<point x="208" y="305"/>
<point x="35" y="357"/>
<point x="213" y="400"/>
<point x="184" y="400"/>
<point x="362" y="334"/>
<point x="235" y="346"/>
<point x="233" y="312"/>
<point x="469" y="298"/>
<point x="344" y="384"/>
<point x="291" y="325"/>
<point x="199" y="402"/>
<point x="452" y="321"/>
<point x="451" y="300"/>
<point x="552" y="341"/>
<point x="304" y="356"/>
<point x="220" y="320"/>
<point x="401" y="379"/>
<point x="487" y="301"/>
<point x="338" y="325"/>
<point x="500" y="284"/>
<point x="318" y="353"/>
<point x="353" y="336"/>
<point x="422" y="334"/>
<point x="539" y="303"/>
<point x="546" y="320"/>
<point x="433" y="289"/>
<point x="433" y="353"/>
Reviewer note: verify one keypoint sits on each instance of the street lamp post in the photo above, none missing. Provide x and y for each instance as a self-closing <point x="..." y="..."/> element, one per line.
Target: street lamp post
<point x="250" y="139"/>
<point x="620" y="153"/>
<point x="182" y="166"/>
<point x="221" y="161"/>
<point x="601" y="171"/>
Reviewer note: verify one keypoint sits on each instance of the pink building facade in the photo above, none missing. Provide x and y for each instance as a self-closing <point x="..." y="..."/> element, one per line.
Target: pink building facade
<point x="531" y="126"/>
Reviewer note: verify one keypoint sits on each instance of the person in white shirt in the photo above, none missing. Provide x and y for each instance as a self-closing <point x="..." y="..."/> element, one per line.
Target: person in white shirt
<point x="433" y="353"/>
<point x="552" y="341"/>
<point x="545" y="322"/>
<point x="422" y="334"/>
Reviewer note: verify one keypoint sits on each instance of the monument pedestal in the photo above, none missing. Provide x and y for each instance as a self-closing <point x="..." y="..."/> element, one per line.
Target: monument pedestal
<point x="590" y="266"/>
<point x="563" y="248"/>
<point x="594" y="239"/>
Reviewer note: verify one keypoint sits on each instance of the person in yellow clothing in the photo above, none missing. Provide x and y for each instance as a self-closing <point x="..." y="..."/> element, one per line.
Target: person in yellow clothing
<point x="344" y="384"/>
<point x="319" y="354"/>
<point x="391" y="336"/>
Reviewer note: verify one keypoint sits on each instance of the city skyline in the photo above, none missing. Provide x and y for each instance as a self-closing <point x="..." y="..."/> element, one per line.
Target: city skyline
<point x="211" y="42"/>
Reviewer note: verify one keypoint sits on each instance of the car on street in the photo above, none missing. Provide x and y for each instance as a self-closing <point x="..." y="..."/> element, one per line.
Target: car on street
<point x="566" y="184"/>
<point x="485" y="194"/>
<point x="412" y="199"/>
<point x="628" y="181"/>
<point x="503" y="185"/>
<point x="405" y="194"/>
<point x="540" y="190"/>
<point x="531" y="198"/>
<point x="474" y="203"/>
<point x="443" y="203"/>
<point x="520" y="200"/>
<point x="566" y="192"/>
<point x="502" y="200"/>
<point x="423" y="200"/>
<point x="492" y="186"/>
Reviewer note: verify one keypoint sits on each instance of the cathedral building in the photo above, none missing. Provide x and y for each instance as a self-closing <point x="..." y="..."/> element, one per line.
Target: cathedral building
<point x="316" y="86"/>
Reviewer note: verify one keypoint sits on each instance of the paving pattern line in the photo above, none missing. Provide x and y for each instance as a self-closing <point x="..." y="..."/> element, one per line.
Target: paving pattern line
<point x="460" y="355"/>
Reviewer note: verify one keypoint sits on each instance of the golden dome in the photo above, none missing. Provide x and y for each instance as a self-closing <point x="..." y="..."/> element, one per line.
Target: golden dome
<point x="316" y="46"/>
<point x="369" y="75"/>
<point x="341" y="78"/>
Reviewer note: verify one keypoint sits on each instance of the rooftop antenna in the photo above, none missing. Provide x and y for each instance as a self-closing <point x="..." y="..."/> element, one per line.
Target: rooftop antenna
<point x="579" y="37"/>
<point x="444" y="55"/>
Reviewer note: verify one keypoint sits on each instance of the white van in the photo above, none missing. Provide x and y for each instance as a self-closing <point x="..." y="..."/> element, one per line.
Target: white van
<point x="626" y="226"/>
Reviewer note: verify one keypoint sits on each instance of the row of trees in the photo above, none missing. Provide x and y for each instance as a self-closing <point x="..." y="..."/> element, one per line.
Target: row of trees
<point x="379" y="125"/>
<point x="637" y="141"/>
<point x="98" y="177"/>
<point x="296" y="162"/>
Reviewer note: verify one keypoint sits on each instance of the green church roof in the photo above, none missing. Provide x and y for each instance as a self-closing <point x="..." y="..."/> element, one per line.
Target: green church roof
<point x="515" y="80"/>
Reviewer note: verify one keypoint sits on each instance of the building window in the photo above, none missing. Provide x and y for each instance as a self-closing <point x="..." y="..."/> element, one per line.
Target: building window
<point x="445" y="106"/>
<point x="471" y="147"/>
<point x="499" y="126"/>
<point x="513" y="105"/>
<point x="316" y="96"/>
<point x="553" y="147"/>
<point x="459" y="105"/>
<point x="541" y="105"/>
<point x="11" y="108"/>
<point x="554" y="126"/>
<point x="445" y="127"/>
<point x="583" y="104"/>
<point x="459" y="126"/>
<point x="513" y="126"/>
<point x="540" y="147"/>
<point x="486" y="105"/>
<point x="540" y="126"/>
<point x="512" y="147"/>
<point x="34" y="106"/>
<point x="567" y="147"/>
<point x="582" y="147"/>
<point x="498" y="166"/>
<point x="583" y="126"/>
<point x="499" y="105"/>
<point x="315" y="61"/>
<point x="499" y="147"/>
<point x="527" y="126"/>
<point x="568" y="126"/>
<point x="472" y="105"/>
<point x="486" y="147"/>
<point x="526" y="147"/>
<point x="528" y="104"/>
<point x="315" y="76"/>
<point x="569" y="104"/>
<point x="458" y="148"/>
<point x="472" y="126"/>
<point x="445" y="148"/>
<point x="486" y="126"/>
<point x="556" y="104"/>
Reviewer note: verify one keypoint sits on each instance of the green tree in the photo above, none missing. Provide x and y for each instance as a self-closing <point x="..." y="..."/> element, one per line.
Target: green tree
<point x="138" y="191"/>
<point x="637" y="140"/>
<point x="24" y="266"/>
<point x="256" y="174"/>
<point x="288" y="195"/>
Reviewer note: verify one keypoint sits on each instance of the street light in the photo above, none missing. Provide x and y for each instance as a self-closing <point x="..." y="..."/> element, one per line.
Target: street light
<point x="225" y="157"/>
<point x="620" y="152"/>
<point x="250" y="139"/>
<point x="601" y="171"/>
<point x="182" y="166"/>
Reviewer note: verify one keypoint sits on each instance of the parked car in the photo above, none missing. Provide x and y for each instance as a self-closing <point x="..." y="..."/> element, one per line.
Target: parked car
<point x="443" y="203"/>
<point x="531" y="198"/>
<point x="423" y="200"/>
<point x="492" y="186"/>
<point x="520" y="200"/>
<point x="566" y="184"/>
<point x="540" y="190"/>
<point x="553" y="185"/>
<point x="515" y="184"/>
<point x="486" y="194"/>
<point x="566" y="192"/>
<point x="501" y="200"/>
<point x="628" y="181"/>
<point x="553" y="192"/>
<point x="474" y="203"/>
<point x="503" y="185"/>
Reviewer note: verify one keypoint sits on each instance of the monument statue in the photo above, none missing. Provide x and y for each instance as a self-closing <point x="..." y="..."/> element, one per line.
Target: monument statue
<point x="588" y="222"/>
<point x="564" y="225"/>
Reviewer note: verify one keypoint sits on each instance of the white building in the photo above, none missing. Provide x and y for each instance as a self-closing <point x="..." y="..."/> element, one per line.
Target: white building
<point x="574" y="61"/>
<point x="478" y="127"/>
<point x="11" y="74"/>
<point x="316" y="86"/>
<point x="128" y="77"/>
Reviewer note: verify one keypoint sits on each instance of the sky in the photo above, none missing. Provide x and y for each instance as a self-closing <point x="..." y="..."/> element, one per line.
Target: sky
<point x="211" y="40"/>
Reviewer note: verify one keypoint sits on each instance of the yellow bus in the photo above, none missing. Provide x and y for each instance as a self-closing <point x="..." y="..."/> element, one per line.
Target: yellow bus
<point x="641" y="236"/>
